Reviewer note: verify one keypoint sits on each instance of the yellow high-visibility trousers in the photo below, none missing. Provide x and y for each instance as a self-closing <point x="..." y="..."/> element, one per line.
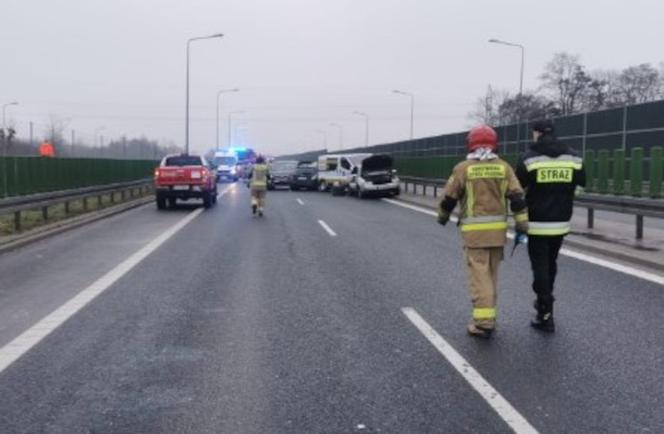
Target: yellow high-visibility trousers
<point x="482" y="271"/>
<point x="258" y="198"/>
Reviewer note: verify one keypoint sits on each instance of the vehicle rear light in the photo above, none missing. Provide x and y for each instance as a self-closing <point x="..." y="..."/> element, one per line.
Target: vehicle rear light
<point x="156" y="173"/>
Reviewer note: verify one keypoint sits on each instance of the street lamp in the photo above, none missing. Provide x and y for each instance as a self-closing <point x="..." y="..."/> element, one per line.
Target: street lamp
<point x="230" y="120"/>
<point x="97" y="131"/>
<point x="4" y="143"/>
<point x="4" y="114"/>
<point x="186" y="128"/>
<point x="523" y="55"/>
<point x="412" y="108"/>
<point x="324" y="134"/>
<point x="341" y="134"/>
<point x="366" y="126"/>
<point x="218" y="107"/>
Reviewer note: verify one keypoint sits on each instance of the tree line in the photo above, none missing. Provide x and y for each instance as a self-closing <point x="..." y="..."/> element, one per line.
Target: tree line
<point x="566" y="87"/>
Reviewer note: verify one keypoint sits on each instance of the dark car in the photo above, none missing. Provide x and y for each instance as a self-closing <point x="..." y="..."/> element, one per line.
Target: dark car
<point x="305" y="177"/>
<point x="281" y="173"/>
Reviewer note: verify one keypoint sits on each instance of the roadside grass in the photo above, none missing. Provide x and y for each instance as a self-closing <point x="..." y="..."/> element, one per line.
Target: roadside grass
<point x="31" y="219"/>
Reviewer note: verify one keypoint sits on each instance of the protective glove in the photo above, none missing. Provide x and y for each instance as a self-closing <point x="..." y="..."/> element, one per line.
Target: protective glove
<point x="443" y="217"/>
<point x="521" y="227"/>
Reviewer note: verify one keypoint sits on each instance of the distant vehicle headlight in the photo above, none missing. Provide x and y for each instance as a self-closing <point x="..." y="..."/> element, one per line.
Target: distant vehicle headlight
<point x="233" y="170"/>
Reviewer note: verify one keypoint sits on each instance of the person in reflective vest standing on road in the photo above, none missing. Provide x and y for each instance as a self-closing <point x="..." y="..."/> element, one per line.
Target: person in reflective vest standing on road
<point x="483" y="184"/>
<point x="551" y="173"/>
<point x="258" y="178"/>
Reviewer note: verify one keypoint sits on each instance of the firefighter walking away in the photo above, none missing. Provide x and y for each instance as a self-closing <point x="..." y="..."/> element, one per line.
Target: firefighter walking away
<point x="258" y="178"/>
<point x="551" y="173"/>
<point x="481" y="184"/>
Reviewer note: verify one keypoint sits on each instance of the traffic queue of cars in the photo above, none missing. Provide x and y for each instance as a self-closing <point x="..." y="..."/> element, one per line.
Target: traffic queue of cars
<point x="184" y="177"/>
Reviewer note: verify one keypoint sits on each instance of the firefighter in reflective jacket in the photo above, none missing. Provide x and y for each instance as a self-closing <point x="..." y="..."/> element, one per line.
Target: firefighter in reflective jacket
<point x="482" y="184"/>
<point x="551" y="174"/>
<point x="258" y="184"/>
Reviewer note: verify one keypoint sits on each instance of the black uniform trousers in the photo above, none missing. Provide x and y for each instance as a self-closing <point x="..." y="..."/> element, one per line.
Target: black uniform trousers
<point x="543" y="252"/>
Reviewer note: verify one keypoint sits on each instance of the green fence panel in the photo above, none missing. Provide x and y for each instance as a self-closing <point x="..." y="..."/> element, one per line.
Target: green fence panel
<point x="619" y="172"/>
<point x="603" y="172"/>
<point x="29" y="175"/>
<point x="656" y="168"/>
<point x="636" y="172"/>
<point x="589" y="166"/>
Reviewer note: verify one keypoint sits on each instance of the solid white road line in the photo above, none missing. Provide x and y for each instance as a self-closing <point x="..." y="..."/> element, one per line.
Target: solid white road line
<point x="32" y="336"/>
<point x="299" y="201"/>
<point x="327" y="228"/>
<point x="621" y="268"/>
<point x="504" y="409"/>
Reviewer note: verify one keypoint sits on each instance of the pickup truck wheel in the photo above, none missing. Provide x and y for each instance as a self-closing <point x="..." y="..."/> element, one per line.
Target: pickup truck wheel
<point x="161" y="203"/>
<point x="207" y="200"/>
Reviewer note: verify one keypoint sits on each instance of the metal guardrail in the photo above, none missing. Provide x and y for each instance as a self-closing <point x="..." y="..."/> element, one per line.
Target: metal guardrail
<point x="43" y="201"/>
<point x="639" y="207"/>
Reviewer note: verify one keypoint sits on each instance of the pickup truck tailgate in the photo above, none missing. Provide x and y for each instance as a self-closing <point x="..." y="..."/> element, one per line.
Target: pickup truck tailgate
<point x="180" y="175"/>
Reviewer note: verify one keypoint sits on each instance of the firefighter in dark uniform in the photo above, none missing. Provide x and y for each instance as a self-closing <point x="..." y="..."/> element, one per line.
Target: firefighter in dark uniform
<point x="551" y="173"/>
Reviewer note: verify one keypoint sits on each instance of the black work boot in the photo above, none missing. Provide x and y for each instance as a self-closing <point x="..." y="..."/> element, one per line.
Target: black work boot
<point x="544" y="318"/>
<point x="479" y="332"/>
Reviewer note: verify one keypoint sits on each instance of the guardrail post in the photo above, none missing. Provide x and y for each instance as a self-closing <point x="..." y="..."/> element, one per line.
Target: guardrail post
<point x="85" y="204"/>
<point x="17" y="221"/>
<point x="603" y="171"/>
<point x="591" y="218"/>
<point x="45" y="213"/>
<point x="435" y="191"/>
<point x="639" y="227"/>
<point x="618" y="172"/>
<point x="424" y="189"/>
<point x="656" y="167"/>
<point x="99" y="201"/>
<point x="636" y="172"/>
<point x="66" y="207"/>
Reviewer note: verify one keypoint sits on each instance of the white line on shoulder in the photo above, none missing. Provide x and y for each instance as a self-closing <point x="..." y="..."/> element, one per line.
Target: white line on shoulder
<point x="621" y="268"/>
<point x="32" y="336"/>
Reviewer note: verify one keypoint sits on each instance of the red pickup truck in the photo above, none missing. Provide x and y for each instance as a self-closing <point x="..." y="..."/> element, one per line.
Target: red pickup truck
<point x="182" y="176"/>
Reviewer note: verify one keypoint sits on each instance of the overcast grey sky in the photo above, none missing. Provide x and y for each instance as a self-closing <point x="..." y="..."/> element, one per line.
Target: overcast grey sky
<point x="300" y="64"/>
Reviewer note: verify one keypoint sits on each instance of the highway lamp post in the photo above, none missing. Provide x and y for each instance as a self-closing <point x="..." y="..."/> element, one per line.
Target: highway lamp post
<point x="366" y="126"/>
<point x="412" y="109"/>
<point x="221" y="92"/>
<point x="341" y="134"/>
<point x="323" y="133"/>
<point x="523" y="57"/>
<point x="97" y="137"/>
<point x="186" y="128"/>
<point x="230" y="126"/>
<point x="5" y="144"/>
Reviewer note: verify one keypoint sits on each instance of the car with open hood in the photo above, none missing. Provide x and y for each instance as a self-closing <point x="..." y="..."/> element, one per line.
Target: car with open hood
<point x="375" y="176"/>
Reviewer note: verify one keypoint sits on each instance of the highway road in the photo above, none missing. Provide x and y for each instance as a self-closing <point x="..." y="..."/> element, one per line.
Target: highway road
<point x="330" y="314"/>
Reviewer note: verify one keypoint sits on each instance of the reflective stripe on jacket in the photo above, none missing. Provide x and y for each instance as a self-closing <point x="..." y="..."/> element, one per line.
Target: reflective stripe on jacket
<point x="551" y="173"/>
<point x="482" y="189"/>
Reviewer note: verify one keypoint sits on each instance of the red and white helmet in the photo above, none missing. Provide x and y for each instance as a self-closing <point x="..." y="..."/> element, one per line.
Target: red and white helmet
<point x="482" y="136"/>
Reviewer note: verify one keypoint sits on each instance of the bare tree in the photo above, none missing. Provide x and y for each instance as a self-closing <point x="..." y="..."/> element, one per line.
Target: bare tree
<point x="526" y="107"/>
<point x="55" y="132"/>
<point x="639" y="84"/>
<point x="565" y="78"/>
<point x="486" y="107"/>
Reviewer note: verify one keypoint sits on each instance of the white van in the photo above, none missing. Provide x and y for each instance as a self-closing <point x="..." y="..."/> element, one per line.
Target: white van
<point x="336" y="169"/>
<point x="374" y="176"/>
